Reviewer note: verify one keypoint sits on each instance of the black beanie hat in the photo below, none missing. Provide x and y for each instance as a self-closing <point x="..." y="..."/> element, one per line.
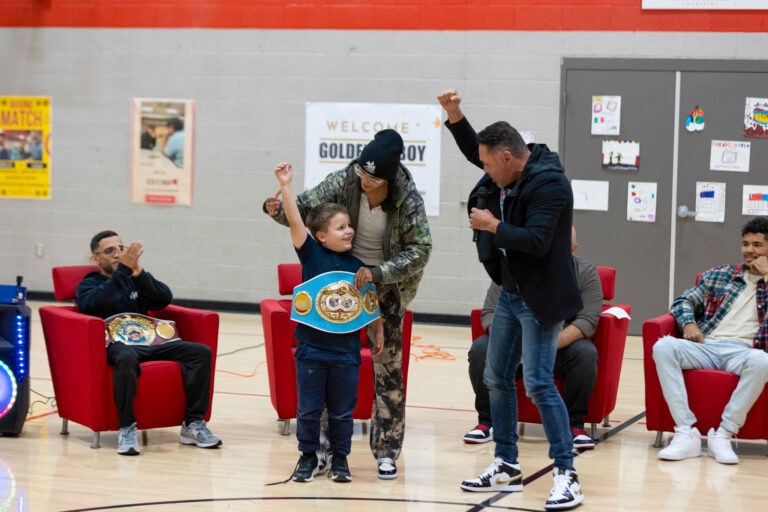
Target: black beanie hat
<point x="381" y="156"/>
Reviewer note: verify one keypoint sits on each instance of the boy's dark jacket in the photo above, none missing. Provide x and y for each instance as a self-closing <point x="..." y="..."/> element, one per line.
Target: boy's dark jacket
<point x="536" y="232"/>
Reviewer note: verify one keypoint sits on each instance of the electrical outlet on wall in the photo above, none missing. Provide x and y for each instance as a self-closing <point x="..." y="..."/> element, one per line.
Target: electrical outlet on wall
<point x="39" y="249"/>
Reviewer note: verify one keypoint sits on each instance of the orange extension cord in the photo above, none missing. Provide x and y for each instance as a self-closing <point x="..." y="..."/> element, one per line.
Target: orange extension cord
<point x="430" y="351"/>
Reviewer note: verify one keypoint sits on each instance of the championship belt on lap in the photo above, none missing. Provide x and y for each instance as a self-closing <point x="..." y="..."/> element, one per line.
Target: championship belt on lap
<point x="135" y="329"/>
<point x="330" y="302"/>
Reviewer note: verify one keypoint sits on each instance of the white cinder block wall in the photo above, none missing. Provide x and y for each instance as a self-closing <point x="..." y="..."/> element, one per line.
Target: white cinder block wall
<point x="250" y="87"/>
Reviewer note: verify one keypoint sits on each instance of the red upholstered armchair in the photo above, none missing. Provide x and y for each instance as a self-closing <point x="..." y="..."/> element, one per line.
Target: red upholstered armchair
<point x="708" y="390"/>
<point x="280" y="346"/>
<point x="82" y="379"/>
<point x="609" y="339"/>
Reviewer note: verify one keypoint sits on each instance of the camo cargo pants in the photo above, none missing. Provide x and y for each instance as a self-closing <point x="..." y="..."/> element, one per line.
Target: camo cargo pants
<point x="388" y="414"/>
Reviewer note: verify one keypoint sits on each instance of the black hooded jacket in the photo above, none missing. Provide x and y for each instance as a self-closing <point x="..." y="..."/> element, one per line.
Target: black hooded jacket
<point x="536" y="232"/>
<point x="103" y="296"/>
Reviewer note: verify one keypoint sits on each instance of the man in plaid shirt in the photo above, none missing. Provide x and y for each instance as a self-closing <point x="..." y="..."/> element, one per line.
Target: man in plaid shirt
<point x="724" y="328"/>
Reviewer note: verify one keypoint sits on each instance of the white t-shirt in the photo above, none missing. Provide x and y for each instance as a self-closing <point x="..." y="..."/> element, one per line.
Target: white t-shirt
<point x="369" y="237"/>
<point x="740" y="323"/>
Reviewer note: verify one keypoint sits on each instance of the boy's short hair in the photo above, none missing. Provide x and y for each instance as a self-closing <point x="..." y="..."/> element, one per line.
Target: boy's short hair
<point x="319" y="217"/>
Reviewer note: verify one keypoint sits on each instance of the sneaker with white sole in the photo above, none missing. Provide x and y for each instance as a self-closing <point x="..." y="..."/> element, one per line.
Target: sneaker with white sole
<point x="581" y="441"/>
<point x="566" y="492"/>
<point x="480" y="434"/>
<point x="685" y="444"/>
<point x="719" y="446"/>
<point x="387" y="469"/>
<point x="306" y="468"/>
<point x="339" y="469"/>
<point x="127" y="443"/>
<point x="197" y="433"/>
<point x="498" y="477"/>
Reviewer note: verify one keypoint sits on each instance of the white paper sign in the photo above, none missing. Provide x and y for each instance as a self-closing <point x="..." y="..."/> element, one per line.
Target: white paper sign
<point x="606" y="115"/>
<point x="337" y="132"/>
<point x="590" y="195"/>
<point x="641" y="201"/>
<point x="710" y="201"/>
<point x="729" y="155"/>
<point x="754" y="200"/>
<point x="702" y="5"/>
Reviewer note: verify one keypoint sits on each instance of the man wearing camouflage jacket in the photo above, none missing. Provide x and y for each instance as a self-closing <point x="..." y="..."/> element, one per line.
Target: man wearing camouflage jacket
<point x="392" y="237"/>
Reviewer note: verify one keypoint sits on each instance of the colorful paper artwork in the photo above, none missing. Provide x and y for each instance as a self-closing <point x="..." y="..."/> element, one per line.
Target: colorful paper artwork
<point x="754" y="200"/>
<point x="710" y="201"/>
<point x="695" y="120"/>
<point x="756" y="118"/>
<point x="641" y="201"/>
<point x="729" y="155"/>
<point x="606" y="115"/>
<point x="623" y="155"/>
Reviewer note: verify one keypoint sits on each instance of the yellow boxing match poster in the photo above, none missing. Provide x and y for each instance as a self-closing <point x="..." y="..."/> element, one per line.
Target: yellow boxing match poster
<point x="25" y="147"/>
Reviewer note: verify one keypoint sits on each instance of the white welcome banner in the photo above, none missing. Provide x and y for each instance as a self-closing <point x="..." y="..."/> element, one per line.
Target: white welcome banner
<point x="337" y="132"/>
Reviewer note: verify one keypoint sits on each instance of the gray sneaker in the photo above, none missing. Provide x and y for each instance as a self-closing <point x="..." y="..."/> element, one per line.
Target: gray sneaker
<point x="197" y="433"/>
<point x="127" y="444"/>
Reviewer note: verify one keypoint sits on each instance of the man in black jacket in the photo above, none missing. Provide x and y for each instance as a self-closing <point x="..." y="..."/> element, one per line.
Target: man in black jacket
<point x="122" y="286"/>
<point x="524" y="241"/>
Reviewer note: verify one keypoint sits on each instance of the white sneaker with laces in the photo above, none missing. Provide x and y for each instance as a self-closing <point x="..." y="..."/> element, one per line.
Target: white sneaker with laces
<point x="566" y="493"/>
<point x="719" y="446"/>
<point x="685" y="444"/>
<point x="498" y="477"/>
<point x="387" y="469"/>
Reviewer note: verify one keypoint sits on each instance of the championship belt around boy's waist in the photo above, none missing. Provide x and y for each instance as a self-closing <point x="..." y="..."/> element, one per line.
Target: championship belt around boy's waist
<point x="135" y="329"/>
<point x="330" y="302"/>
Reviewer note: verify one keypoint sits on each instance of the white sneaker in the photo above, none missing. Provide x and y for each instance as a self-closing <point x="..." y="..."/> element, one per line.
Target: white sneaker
<point x="498" y="477"/>
<point x="685" y="444"/>
<point x="566" y="493"/>
<point x="719" y="446"/>
<point x="387" y="469"/>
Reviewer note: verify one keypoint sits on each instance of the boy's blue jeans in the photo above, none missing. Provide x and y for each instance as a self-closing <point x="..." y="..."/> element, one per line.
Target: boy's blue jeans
<point x="538" y="348"/>
<point x="329" y="383"/>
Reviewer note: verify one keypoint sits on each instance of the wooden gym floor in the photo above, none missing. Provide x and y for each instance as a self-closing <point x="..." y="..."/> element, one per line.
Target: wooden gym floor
<point x="43" y="471"/>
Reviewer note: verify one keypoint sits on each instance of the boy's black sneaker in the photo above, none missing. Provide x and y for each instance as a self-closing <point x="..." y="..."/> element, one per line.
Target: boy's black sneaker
<point x="498" y="477"/>
<point x="306" y="469"/>
<point x="340" y="469"/>
<point x="566" y="493"/>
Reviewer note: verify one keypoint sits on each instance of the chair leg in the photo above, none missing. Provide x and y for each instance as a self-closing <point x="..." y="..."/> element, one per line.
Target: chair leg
<point x="144" y="438"/>
<point x="521" y="429"/>
<point x="606" y="422"/>
<point x="64" y="427"/>
<point x="659" y="438"/>
<point x="364" y="426"/>
<point x="286" y="427"/>
<point x="593" y="429"/>
<point x="95" y="443"/>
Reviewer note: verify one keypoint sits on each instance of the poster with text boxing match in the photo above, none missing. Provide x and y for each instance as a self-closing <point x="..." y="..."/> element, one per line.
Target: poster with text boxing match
<point x="162" y="139"/>
<point x="25" y="147"/>
<point x="337" y="132"/>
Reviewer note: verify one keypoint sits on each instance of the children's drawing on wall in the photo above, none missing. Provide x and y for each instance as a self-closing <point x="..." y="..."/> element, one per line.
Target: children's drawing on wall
<point x="606" y="115"/>
<point x="754" y="200"/>
<point x="695" y="120"/>
<point x="641" y="201"/>
<point x="729" y="155"/>
<point x="710" y="201"/>
<point x="623" y="155"/>
<point x="756" y="118"/>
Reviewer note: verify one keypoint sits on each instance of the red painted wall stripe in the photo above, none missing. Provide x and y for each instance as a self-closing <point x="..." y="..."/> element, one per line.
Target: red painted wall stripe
<point x="557" y="15"/>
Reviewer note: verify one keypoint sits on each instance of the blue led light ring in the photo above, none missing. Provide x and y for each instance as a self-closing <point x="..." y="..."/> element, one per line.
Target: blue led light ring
<point x="8" y="389"/>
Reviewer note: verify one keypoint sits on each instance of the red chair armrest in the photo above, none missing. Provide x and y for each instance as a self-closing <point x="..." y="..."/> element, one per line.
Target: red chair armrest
<point x="655" y="406"/>
<point x="476" y="323"/>
<point x="278" y="332"/>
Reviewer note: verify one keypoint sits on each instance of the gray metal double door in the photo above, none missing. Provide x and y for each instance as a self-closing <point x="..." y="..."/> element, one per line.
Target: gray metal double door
<point x="655" y="261"/>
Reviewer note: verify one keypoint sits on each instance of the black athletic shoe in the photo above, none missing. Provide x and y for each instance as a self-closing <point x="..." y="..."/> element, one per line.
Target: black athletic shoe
<point x="566" y="493"/>
<point x="498" y="477"/>
<point x="340" y="469"/>
<point x="307" y="468"/>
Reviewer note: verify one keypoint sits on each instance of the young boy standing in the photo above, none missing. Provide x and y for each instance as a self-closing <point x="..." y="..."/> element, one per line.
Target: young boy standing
<point x="327" y="364"/>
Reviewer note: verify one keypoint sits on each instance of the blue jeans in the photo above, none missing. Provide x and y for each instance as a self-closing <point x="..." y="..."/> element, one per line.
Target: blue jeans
<point x="327" y="383"/>
<point x="538" y="347"/>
